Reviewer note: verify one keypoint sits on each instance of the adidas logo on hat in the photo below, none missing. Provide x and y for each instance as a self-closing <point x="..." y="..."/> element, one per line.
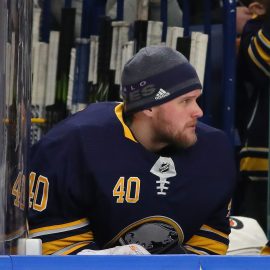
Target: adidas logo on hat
<point x="161" y="94"/>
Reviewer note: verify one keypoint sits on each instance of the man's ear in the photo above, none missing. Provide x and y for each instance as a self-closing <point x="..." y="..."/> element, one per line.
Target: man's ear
<point x="148" y="112"/>
<point x="257" y="8"/>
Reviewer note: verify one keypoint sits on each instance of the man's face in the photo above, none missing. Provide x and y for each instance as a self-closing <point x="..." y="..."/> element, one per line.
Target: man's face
<point x="174" y="122"/>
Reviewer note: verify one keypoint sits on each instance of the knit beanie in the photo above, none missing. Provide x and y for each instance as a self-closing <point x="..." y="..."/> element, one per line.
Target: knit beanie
<point x="155" y="75"/>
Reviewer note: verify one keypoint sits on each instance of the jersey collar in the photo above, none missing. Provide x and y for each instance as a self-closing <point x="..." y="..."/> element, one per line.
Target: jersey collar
<point x="119" y="113"/>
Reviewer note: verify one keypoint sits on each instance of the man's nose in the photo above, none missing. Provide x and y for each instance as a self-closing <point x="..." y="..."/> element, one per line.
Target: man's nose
<point x="197" y="111"/>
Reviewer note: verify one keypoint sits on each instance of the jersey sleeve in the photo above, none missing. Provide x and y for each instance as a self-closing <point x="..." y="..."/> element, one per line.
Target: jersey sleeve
<point x="60" y="198"/>
<point x="213" y="237"/>
<point x="259" y="48"/>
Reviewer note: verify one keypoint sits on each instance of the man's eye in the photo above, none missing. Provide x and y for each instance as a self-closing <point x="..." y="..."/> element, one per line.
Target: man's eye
<point x="187" y="100"/>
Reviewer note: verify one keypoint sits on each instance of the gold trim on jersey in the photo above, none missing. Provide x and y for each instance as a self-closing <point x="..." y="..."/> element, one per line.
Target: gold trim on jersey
<point x="265" y="250"/>
<point x="254" y="149"/>
<point x="256" y="61"/>
<point x="119" y="113"/>
<point x="253" y="164"/>
<point x="54" y="246"/>
<point x="194" y="250"/>
<point x="72" y="248"/>
<point x="210" y="229"/>
<point x="262" y="53"/>
<point x="59" y="228"/>
<point x="208" y="244"/>
<point x="76" y="247"/>
<point x="135" y="224"/>
<point x="264" y="39"/>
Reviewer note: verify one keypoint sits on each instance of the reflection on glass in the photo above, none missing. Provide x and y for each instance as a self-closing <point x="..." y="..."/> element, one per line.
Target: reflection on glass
<point x="15" y="83"/>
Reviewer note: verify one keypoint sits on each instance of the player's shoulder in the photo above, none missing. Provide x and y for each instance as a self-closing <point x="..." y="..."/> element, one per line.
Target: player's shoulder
<point x="95" y="115"/>
<point x="212" y="135"/>
<point x="89" y="122"/>
<point x="216" y="145"/>
<point x="204" y="129"/>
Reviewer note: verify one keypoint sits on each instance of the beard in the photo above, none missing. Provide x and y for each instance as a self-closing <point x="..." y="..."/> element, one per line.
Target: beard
<point x="181" y="139"/>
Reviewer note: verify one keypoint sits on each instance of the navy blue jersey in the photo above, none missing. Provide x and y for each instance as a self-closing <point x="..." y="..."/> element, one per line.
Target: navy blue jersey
<point x="252" y="114"/>
<point x="92" y="183"/>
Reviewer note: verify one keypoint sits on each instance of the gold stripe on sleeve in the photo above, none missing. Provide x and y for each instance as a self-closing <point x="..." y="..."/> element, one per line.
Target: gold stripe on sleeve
<point x="75" y="248"/>
<point x="265" y="250"/>
<point x="59" y="228"/>
<point x="208" y="244"/>
<point x="253" y="164"/>
<point x="262" y="53"/>
<point x="257" y="63"/>
<point x="210" y="229"/>
<point x="52" y="247"/>
<point x="263" y="38"/>
<point x="199" y="252"/>
<point x="72" y="248"/>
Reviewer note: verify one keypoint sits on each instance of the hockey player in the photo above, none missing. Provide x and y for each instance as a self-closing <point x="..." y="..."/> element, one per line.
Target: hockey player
<point x="252" y="117"/>
<point x="142" y="172"/>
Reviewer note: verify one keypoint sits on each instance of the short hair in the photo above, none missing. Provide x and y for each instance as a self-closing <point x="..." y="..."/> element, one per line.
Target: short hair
<point x="245" y="2"/>
<point x="248" y="2"/>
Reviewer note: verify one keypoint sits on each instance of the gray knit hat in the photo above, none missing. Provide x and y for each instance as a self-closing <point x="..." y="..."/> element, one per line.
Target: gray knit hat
<point x="155" y="75"/>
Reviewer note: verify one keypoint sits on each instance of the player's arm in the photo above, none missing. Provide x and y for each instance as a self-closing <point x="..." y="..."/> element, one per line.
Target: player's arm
<point x="60" y="197"/>
<point x="62" y="237"/>
<point x="259" y="48"/>
<point x="213" y="237"/>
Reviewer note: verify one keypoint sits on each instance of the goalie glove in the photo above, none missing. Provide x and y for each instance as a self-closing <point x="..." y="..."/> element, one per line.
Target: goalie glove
<point x="155" y="237"/>
<point x="132" y="249"/>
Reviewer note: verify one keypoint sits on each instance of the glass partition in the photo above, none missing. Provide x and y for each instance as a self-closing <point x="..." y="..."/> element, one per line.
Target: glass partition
<point x="15" y="85"/>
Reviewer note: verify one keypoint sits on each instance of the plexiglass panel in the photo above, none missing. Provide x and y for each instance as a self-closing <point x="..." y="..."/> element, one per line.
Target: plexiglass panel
<point x="15" y="85"/>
